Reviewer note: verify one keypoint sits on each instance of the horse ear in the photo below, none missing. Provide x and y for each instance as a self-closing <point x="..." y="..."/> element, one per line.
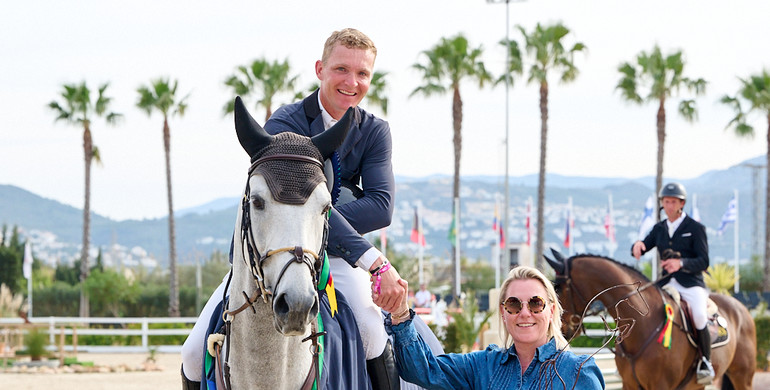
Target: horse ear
<point x="557" y="262"/>
<point x="250" y="134"/>
<point x="328" y="141"/>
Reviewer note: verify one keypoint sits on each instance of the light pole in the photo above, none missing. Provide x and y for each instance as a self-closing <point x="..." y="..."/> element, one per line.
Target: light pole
<point x="505" y="261"/>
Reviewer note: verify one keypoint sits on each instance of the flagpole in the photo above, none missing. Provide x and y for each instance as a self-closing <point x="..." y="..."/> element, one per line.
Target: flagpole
<point x="735" y="246"/>
<point x="421" y="239"/>
<point x="27" y="270"/>
<point x="570" y="227"/>
<point x="496" y="251"/>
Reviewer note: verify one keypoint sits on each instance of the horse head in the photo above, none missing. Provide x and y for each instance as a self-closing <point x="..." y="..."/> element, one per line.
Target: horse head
<point x="283" y="218"/>
<point x="573" y="305"/>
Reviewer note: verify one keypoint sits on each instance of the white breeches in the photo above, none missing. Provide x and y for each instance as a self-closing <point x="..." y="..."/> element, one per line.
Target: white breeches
<point x="353" y="283"/>
<point x="697" y="297"/>
<point x="192" y="349"/>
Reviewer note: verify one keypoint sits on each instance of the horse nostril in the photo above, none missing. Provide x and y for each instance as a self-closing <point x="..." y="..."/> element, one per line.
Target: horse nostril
<point x="280" y="306"/>
<point x="314" y="310"/>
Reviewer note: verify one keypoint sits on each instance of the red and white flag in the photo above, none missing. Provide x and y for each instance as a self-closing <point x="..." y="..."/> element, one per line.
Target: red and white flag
<point x="609" y="224"/>
<point x="528" y="223"/>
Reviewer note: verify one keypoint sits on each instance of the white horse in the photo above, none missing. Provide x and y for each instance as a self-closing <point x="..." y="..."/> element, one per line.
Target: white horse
<point x="279" y="236"/>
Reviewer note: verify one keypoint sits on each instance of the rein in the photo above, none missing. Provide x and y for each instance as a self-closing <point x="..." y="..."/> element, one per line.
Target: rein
<point x="311" y="259"/>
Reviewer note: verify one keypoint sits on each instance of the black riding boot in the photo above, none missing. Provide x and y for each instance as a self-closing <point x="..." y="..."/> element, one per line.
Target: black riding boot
<point x="705" y="370"/>
<point x="382" y="370"/>
<point x="188" y="384"/>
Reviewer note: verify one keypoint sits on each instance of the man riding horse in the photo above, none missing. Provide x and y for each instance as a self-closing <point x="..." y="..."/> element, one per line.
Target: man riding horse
<point x="683" y="245"/>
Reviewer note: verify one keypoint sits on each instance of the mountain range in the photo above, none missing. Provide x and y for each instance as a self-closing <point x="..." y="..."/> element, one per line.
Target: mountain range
<point x="55" y="228"/>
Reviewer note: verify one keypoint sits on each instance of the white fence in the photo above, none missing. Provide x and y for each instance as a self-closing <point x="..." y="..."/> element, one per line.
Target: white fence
<point x="82" y="327"/>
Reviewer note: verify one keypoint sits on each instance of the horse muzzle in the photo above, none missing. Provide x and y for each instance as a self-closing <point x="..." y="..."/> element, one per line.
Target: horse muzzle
<point x="293" y="313"/>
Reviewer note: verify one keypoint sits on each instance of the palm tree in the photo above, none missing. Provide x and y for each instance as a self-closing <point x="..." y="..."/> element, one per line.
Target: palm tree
<point x="545" y="46"/>
<point x="160" y="95"/>
<point x="755" y="91"/>
<point x="76" y="108"/>
<point x="664" y="76"/>
<point x="263" y="78"/>
<point x="376" y="95"/>
<point x="449" y="62"/>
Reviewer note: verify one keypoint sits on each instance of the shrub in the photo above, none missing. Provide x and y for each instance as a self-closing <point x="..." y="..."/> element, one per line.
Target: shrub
<point x="763" y="341"/>
<point x="35" y="343"/>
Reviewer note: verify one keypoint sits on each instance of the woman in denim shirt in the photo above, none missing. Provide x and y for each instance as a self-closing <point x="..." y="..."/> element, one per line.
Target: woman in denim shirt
<point x="535" y="356"/>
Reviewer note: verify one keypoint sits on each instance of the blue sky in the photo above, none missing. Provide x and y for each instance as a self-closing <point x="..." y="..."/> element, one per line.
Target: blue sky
<point x="592" y="132"/>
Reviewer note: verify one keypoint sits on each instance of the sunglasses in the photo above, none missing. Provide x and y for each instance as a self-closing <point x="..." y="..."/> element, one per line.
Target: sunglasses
<point x="513" y="305"/>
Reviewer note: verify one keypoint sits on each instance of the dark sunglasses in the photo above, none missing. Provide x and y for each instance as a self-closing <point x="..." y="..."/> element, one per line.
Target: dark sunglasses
<point x="513" y="305"/>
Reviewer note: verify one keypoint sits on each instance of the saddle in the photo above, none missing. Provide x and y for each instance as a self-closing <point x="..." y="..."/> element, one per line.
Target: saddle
<point x="716" y="324"/>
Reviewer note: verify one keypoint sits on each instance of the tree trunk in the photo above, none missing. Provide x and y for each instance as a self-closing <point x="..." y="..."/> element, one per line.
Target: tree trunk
<point x="88" y="149"/>
<point x="457" y="140"/>
<point x="661" y="126"/>
<point x="766" y="278"/>
<point x="173" y="290"/>
<point x="541" y="179"/>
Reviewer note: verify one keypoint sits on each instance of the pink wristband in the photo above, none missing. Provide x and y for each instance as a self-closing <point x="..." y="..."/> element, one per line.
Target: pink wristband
<point x="379" y="273"/>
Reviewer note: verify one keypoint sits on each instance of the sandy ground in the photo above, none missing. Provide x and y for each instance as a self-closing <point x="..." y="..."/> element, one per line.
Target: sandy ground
<point x="167" y="378"/>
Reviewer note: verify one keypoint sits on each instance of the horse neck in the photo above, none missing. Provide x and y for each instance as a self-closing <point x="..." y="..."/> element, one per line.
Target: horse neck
<point x="272" y="360"/>
<point x="622" y="295"/>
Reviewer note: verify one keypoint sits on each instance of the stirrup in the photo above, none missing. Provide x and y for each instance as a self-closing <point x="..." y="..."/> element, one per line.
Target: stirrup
<point x="705" y="372"/>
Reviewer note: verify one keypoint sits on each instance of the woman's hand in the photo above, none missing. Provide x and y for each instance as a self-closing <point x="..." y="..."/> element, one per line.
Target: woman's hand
<point x="401" y="313"/>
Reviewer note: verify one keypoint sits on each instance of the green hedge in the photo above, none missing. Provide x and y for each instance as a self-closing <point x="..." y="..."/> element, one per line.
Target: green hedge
<point x="763" y="341"/>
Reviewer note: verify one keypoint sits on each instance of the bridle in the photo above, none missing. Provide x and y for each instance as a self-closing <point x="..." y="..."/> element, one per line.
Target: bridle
<point x="564" y="284"/>
<point x="313" y="260"/>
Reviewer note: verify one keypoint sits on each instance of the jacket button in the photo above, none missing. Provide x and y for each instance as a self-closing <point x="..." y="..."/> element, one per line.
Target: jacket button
<point x="347" y="253"/>
<point x="338" y="246"/>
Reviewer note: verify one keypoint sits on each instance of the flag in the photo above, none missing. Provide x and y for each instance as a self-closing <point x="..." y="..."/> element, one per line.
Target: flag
<point x="729" y="216"/>
<point x="452" y="235"/>
<point x="568" y="227"/>
<point x="694" y="213"/>
<point x="609" y="225"/>
<point x="528" y="222"/>
<point x="383" y="240"/>
<point x="498" y="228"/>
<point x="647" y="220"/>
<point x="27" y="265"/>
<point x="417" y="236"/>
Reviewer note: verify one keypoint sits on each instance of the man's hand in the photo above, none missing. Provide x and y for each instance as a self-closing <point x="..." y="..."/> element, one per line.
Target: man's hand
<point x="391" y="291"/>
<point x="671" y="265"/>
<point x="638" y="248"/>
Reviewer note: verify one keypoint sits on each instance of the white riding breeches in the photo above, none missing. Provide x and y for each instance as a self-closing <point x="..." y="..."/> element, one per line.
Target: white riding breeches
<point x="697" y="297"/>
<point x="192" y="349"/>
<point x="353" y="283"/>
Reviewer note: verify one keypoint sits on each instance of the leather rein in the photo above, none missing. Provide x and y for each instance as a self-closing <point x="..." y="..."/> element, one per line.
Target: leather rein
<point x="313" y="260"/>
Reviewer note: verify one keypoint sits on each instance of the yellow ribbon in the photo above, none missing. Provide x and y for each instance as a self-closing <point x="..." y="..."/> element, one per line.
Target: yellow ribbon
<point x="331" y="295"/>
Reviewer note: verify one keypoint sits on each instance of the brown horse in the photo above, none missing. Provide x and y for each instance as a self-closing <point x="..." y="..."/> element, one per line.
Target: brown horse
<point x="638" y="309"/>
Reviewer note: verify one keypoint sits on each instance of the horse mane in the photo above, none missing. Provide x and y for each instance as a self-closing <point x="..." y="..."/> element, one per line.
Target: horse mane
<point x="627" y="267"/>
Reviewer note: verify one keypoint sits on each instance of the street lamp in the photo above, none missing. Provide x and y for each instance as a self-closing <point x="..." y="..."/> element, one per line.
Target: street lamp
<point x="505" y="253"/>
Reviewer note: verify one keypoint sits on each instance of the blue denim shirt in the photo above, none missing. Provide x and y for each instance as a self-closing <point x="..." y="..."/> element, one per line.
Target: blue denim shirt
<point x="493" y="368"/>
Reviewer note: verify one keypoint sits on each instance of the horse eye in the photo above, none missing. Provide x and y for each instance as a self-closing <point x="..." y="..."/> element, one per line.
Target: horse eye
<point x="258" y="202"/>
<point x="326" y="209"/>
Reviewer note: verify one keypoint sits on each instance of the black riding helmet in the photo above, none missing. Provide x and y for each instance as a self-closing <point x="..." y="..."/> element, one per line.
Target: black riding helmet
<point x="674" y="190"/>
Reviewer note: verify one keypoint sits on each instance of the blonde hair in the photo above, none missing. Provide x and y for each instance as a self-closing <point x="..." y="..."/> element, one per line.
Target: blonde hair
<point x="350" y="38"/>
<point x="554" y="328"/>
